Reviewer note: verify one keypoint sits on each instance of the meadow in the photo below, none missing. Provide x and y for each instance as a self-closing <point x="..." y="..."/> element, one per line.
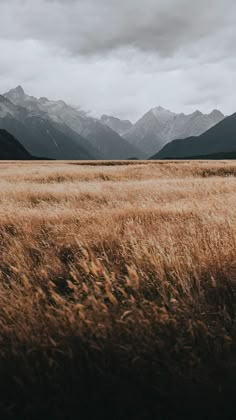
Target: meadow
<point x="118" y="290"/>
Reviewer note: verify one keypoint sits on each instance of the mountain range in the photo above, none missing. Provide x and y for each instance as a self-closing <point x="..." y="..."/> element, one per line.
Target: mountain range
<point x="218" y="140"/>
<point x="160" y="126"/>
<point x="57" y="130"/>
<point x="39" y="135"/>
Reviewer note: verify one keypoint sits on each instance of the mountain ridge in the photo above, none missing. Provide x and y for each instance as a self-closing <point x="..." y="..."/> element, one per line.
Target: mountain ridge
<point x="108" y="143"/>
<point x="221" y="138"/>
<point x="120" y="126"/>
<point x="159" y="126"/>
<point x="57" y="130"/>
<point x="40" y="136"/>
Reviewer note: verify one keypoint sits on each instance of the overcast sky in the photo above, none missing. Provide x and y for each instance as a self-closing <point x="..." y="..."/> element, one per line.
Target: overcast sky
<point x="122" y="57"/>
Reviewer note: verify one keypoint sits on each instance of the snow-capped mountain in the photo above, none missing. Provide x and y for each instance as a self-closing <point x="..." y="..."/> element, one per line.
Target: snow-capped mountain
<point x="120" y="126"/>
<point x="108" y="143"/>
<point x="160" y="126"/>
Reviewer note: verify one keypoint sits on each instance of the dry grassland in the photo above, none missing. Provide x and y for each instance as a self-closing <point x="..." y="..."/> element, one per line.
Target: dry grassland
<point x="117" y="291"/>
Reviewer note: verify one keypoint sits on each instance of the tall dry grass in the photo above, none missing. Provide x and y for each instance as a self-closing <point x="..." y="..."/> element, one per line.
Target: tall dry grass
<point x="117" y="292"/>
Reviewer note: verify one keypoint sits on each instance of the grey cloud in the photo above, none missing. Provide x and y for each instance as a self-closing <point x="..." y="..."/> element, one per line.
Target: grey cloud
<point x="121" y="57"/>
<point x="98" y="26"/>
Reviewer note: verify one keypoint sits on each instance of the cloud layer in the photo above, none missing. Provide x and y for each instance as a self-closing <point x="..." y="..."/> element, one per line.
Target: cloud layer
<point x="121" y="58"/>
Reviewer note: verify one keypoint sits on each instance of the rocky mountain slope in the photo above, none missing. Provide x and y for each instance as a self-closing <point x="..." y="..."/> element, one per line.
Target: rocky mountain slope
<point x="99" y="137"/>
<point x="41" y="136"/>
<point x="119" y="126"/>
<point x="160" y="126"/>
<point x="11" y="149"/>
<point x="219" y="139"/>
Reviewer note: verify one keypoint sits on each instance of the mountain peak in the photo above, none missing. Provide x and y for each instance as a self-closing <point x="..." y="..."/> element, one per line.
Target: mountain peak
<point x="216" y="112"/>
<point x="19" y="89"/>
<point x="216" y="116"/>
<point x="43" y="99"/>
<point x="15" y="94"/>
<point x="197" y="113"/>
<point x="159" y="109"/>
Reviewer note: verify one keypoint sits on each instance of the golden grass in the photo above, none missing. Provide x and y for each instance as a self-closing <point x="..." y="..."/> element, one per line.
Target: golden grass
<point x="117" y="292"/>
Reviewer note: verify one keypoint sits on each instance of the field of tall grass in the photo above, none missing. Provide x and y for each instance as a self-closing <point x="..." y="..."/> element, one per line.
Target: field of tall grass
<point x="118" y="290"/>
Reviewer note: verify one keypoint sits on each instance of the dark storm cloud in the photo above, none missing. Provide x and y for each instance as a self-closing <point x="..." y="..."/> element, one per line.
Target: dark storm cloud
<point x="96" y="26"/>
